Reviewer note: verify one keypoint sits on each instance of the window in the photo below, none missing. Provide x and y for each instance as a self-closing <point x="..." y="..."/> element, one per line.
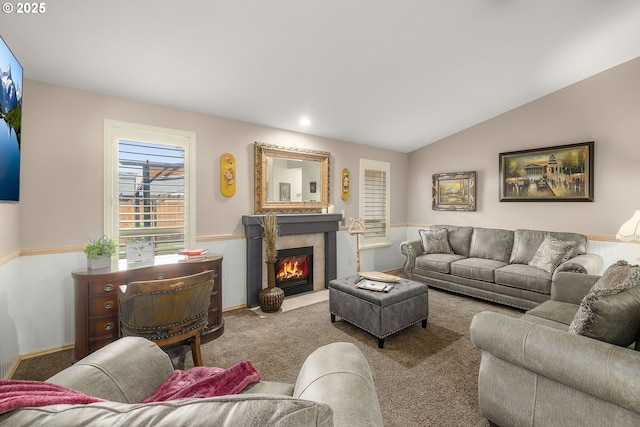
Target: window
<point x="149" y="186"/>
<point x="374" y="202"/>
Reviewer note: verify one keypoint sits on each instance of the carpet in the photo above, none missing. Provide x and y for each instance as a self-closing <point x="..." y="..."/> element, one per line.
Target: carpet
<point x="423" y="377"/>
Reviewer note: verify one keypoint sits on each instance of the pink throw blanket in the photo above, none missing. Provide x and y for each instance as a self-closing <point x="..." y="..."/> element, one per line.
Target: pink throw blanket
<point x="199" y="381"/>
<point x="202" y="381"/>
<point x="16" y="394"/>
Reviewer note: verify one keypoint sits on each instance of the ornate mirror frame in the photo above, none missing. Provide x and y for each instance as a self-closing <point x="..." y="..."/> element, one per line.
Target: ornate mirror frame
<point x="262" y="205"/>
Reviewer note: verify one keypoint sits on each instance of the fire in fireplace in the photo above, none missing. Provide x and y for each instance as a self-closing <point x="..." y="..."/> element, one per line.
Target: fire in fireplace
<point x="294" y="270"/>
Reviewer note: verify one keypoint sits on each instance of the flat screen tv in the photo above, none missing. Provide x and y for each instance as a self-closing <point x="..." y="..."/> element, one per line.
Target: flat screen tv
<point x="11" y="115"/>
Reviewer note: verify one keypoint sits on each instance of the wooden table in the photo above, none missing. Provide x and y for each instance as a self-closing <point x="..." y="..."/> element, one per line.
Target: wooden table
<point x="96" y="297"/>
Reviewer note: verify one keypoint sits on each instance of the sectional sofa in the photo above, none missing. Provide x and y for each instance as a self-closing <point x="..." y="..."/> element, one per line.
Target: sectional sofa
<point x="552" y="367"/>
<point x="513" y="268"/>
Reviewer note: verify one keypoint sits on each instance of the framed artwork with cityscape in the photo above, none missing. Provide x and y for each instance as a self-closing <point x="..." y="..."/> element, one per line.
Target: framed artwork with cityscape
<point x="554" y="174"/>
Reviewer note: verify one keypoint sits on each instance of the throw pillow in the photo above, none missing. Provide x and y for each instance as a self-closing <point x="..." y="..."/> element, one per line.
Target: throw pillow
<point x="551" y="253"/>
<point x="435" y="242"/>
<point x="610" y="312"/>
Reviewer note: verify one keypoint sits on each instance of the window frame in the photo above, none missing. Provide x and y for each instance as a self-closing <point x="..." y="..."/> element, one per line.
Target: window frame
<point x="375" y="165"/>
<point x="114" y="131"/>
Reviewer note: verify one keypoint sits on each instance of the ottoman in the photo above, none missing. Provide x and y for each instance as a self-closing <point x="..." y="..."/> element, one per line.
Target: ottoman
<point x="379" y="313"/>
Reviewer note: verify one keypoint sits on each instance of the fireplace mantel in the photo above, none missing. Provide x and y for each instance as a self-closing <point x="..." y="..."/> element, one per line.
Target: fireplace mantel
<point x="288" y="224"/>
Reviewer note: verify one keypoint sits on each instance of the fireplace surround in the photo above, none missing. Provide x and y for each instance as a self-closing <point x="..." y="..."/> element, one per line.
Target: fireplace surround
<point x="289" y="224"/>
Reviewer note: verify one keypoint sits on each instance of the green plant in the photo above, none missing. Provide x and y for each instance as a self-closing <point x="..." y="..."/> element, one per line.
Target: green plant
<point x="102" y="246"/>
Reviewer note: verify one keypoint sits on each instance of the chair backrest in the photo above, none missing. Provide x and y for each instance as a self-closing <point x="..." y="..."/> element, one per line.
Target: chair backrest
<point x="166" y="308"/>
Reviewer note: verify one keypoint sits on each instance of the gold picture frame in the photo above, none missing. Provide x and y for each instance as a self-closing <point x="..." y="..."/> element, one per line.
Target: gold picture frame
<point x="454" y="191"/>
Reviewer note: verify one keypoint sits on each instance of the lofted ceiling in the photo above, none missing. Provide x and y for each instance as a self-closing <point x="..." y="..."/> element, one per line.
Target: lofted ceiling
<point x="396" y="74"/>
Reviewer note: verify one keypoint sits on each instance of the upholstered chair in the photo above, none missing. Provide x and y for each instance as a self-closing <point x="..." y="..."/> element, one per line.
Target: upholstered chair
<point x="167" y="311"/>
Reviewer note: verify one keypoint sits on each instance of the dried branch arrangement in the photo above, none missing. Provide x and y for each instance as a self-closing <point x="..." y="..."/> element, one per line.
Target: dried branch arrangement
<point x="269" y="235"/>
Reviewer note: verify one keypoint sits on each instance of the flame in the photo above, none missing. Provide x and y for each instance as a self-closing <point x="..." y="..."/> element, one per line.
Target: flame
<point x="291" y="268"/>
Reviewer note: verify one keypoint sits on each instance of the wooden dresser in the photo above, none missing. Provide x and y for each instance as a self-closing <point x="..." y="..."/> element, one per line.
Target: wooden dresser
<point x="96" y="298"/>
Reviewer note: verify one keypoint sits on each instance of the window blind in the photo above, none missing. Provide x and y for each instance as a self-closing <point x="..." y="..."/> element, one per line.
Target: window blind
<point x="375" y="204"/>
<point x="151" y="195"/>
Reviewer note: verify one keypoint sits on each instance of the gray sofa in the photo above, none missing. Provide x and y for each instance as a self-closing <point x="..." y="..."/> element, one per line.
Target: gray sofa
<point x="334" y="387"/>
<point x="534" y="373"/>
<point x="493" y="264"/>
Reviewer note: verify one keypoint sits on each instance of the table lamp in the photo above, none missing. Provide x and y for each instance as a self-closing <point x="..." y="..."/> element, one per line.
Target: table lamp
<point x="630" y="230"/>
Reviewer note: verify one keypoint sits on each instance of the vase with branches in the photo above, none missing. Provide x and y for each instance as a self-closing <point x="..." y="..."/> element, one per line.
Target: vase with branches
<point x="271" y="298"/>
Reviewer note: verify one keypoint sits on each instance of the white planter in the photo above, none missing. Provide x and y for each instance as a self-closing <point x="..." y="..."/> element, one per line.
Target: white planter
<point x="102" y="261"/>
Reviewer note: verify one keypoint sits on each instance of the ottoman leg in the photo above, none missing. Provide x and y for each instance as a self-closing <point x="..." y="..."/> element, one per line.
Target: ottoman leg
<point x="424" y="323"/>
<point x="333" y="318"/>
<point x="380" y="342"/>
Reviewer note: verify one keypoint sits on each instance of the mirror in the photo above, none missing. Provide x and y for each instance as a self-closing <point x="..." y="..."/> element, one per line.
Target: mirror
<point x="290" y="180"/>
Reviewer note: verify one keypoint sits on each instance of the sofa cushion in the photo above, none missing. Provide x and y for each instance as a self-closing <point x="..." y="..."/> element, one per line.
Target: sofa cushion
<point x="551" y="253"/>
<point x="610" y="312"/>
<point x="524" y="277"/>
<point x="557" y="311"/>
<point x="527" y="242"/>
<point x="437" y="262"/>
<point x="435" y="241"/>
<point x="459" y="238"/>
<point x="491" y="243"/>
<point x="525" y="245"/>
<point x="476" y="268"/>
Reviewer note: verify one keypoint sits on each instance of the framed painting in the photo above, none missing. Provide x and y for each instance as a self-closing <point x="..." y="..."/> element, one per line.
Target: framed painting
<point x="285" y="191"/>
<point x="454" y="191"/>
<point x="554" y="174"/>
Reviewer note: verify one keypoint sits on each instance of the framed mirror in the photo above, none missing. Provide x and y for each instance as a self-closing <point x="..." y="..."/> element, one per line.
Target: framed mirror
<point x="290" y="180"/>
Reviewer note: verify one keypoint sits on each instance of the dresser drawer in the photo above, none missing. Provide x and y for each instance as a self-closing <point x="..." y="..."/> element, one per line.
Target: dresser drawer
<point x="103" y="327"/>
<point x="104" y="287"/>
<point x="103" y="305"/>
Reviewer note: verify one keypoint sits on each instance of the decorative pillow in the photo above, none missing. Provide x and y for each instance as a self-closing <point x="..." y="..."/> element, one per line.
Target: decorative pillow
<point x="610" y="312"/>
<point x="435" y="242"/>
<point x="551" y="253"/>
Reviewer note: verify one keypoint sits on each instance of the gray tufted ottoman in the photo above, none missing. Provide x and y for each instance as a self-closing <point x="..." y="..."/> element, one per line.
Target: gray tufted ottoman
<point x="381" y="314"/>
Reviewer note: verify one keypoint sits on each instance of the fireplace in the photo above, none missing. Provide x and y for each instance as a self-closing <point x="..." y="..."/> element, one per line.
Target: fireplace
<point x="291" y="225"/>
<point x="294" y="270"/>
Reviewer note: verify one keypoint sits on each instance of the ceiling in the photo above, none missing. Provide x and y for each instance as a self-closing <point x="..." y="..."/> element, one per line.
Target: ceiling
<point x="395" y="74"/>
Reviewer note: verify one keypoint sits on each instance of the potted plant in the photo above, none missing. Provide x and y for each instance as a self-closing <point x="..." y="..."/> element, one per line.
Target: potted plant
<point x="99" y="252"/>
<point x="270" y="298"/>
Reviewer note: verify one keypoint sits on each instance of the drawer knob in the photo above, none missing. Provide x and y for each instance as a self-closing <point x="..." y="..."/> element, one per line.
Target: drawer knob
<point x="109" y="304"/>
<point x="160" y="276"/>
<point x="108" y="287"/>
<point x="109" y="326"/>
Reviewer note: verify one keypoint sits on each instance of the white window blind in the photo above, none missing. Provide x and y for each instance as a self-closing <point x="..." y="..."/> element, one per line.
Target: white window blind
<point x="149" y="186"/>
<point x="374" y="201"/>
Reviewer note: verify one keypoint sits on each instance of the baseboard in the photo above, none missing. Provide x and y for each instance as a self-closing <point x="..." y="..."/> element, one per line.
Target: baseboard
<point x="44" y="352"/>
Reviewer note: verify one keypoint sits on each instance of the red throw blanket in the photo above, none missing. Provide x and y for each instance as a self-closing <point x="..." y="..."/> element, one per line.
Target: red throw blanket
<point x="197" y="382"/>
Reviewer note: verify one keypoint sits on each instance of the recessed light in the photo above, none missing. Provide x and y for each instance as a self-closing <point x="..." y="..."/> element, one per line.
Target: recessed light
<point x="305" y="121"/>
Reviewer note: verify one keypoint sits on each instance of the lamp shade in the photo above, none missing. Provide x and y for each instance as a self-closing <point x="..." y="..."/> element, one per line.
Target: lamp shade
<point x="630" y="230"/>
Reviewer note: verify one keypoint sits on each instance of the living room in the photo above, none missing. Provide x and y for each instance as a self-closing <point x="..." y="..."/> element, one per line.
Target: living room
<point x="42" y="236"/>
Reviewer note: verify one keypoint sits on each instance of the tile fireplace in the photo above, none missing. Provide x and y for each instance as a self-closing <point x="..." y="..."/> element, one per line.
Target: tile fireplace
<point x="289" y="224"/>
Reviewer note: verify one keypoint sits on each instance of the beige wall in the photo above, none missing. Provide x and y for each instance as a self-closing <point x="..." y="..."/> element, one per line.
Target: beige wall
<point x="62" y="165"/>
<point x="62" y="162"/>
<point x="604" y="108"/>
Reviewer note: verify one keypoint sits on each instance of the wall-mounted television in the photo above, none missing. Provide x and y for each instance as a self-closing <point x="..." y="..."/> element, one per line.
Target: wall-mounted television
<point x="10" y="124"/>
